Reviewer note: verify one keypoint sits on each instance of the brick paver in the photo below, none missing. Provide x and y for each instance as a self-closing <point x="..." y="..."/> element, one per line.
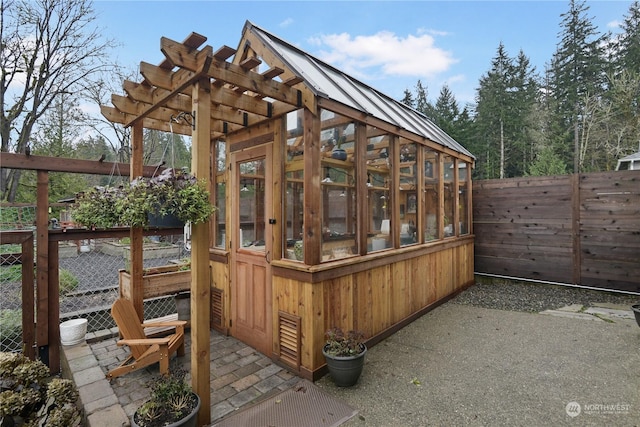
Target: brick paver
<point x="240" y="376"/>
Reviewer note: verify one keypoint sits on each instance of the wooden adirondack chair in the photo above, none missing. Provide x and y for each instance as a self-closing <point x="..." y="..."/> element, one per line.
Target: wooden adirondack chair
<point x="144" y="351"/>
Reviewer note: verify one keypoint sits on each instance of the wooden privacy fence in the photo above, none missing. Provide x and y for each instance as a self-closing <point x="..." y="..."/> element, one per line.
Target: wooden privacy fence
<point x="581" y="229"/>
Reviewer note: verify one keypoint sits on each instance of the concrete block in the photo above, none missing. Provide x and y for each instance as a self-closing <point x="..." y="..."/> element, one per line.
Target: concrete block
<point x="100" y="404"/>
<point x="94" y="391"/>
<point x="82" y="363"/>
<point x="113" y="416"/>
<point x="88" y="376"/>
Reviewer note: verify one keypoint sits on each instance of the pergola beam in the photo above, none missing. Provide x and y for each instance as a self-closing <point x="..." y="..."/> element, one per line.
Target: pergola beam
<point x="178" y="81"/>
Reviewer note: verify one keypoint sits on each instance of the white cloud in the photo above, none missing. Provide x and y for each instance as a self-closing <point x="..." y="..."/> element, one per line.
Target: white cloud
<point x="286" y="23"/>
<point x="614" y="24"/>
<point x="385" y="54"/>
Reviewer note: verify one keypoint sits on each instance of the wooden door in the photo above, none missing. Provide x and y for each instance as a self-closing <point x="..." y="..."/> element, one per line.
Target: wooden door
<point x="251" y="248"/>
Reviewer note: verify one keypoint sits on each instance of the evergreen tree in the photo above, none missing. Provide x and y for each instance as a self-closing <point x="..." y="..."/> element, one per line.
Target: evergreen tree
<point x="493" y="109"/>
<point x="578" y="71"/>
<point x="421" y="102"/>
<point x="407" y="99"/>
<point x="525" y="92"/>
<point x="626" y="47"/>
<point x="547" y="163"/>
<point x="167" y="149"/>
<point x="446" y="111"/>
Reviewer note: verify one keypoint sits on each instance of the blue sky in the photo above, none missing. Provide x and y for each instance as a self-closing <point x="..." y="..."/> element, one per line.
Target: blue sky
<point x="389" y="45"/>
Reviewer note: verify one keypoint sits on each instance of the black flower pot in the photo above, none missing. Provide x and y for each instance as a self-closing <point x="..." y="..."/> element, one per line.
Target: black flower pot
<point x="636" y="312"/>
<point x="339" y="154"/>
<point x="188" y="421"/>
<point x="167" y="221"/>
<point x="345" y="370"/>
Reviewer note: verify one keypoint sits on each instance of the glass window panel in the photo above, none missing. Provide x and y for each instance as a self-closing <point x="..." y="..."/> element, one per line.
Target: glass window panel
<point x="431" y="190"/>
<point x="252" y="204"/>
<point x="339" y="225"/>
<point x="463" y="197"/>
<point x="219" y="195"/>
<point x="221" y="188"/>
<point x="294" y="188"/>
<point x="379" y="184"/>
<point x="449" y="196"/>
<point x="409" y="210"/>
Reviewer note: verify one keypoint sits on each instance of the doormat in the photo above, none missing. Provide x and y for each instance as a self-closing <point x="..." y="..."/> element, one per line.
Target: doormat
<point x="302" y="405"/>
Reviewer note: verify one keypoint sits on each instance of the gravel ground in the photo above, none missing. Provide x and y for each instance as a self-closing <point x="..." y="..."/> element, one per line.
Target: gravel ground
<point x="534" y="297"/>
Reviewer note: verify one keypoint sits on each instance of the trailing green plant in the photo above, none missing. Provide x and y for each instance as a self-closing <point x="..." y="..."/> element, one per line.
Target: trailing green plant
<point x="343" y="344"/>
<point x="30" y="394"/>
<point x="98" y="208"/>
<point x="172" y="399"/>
<point x="169" y="193"/>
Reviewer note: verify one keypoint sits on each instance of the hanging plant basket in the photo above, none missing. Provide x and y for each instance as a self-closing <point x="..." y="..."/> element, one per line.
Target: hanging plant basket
<point x="169" y="195"/>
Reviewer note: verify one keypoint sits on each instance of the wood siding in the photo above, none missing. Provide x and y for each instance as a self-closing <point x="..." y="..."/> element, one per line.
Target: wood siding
<point x="374" y="300"/>
<point x="577" y="229"/>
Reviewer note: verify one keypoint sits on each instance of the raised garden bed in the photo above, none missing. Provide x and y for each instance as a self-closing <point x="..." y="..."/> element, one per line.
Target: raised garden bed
<point x="149" y="250"/>
<point x="158" y="281"/>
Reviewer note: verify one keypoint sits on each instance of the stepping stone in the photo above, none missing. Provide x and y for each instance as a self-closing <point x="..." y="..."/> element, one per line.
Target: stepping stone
<point x="571" y="315"/>
<point x="611" y="313"/>
<point x="574" y="308"/>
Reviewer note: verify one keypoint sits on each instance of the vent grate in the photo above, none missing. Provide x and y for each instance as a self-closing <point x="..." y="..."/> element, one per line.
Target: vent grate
<point x="289" y="339"/>
<point x="217" y="319"/>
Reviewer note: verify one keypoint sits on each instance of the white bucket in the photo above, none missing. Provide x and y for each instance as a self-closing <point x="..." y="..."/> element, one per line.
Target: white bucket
<point x="73" y="331"/>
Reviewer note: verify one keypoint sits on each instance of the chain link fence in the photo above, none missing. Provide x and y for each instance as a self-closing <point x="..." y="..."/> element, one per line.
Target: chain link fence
<point x="10" y="299"/>
<point x="88" y="280"/>
<point x="89" y="277"/>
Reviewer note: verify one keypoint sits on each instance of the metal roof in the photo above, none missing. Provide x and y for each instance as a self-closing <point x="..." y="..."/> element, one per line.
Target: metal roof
<point x="634" y="156"/>
<point x="328" y="82"/>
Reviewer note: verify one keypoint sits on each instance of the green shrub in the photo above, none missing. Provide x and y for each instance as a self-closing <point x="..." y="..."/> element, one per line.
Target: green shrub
<point x="10" y="325"/>
<point x="68" y="282"/>
<point x="10" y="274"/>
<point x="29" y="395"/>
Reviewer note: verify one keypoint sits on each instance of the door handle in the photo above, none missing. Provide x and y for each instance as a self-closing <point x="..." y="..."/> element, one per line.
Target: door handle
<point x="266" y="257"/>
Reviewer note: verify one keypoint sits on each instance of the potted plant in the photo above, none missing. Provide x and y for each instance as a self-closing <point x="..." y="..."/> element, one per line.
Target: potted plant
<point x="344" y="353"/>
<point x="338" y="152"/>
<point x="169" y="194"/>
<point x="173" y="403"/>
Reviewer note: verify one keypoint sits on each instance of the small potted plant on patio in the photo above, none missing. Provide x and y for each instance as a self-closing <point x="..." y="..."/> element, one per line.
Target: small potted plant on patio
<point x="344" y="353"/>
<point x="173" y="403"/>
<point x="169" y="194"/>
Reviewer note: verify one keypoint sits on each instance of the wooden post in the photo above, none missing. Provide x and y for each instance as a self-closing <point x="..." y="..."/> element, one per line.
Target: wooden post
<point x="53" y="314"/>
<point x="200" y="282"/>
<point x="456" y="198"/>
<point x="136" y="260"/>
<point x="362" y="210"/>
<point x="394" y="190"/>
<point x="440" y="196"/>
<point x="42" y="278"/>
<point x="312" y="188"/>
